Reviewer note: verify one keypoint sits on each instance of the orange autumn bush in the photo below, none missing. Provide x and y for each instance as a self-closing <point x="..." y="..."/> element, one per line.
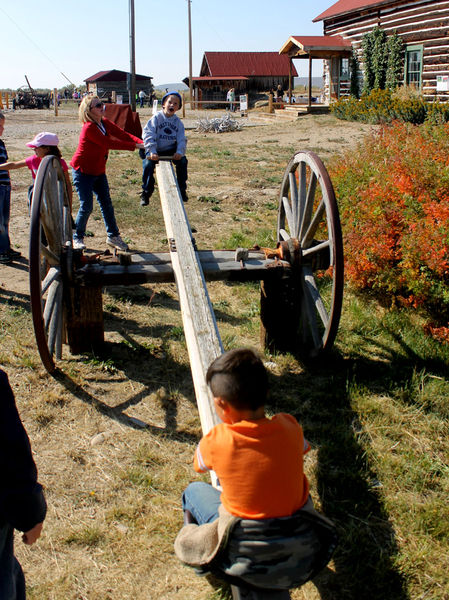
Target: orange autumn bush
<point x="393" y="194"/>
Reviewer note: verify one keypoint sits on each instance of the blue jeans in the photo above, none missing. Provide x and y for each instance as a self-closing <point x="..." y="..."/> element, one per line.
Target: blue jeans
<point x="12" y="580"/>
<point x="149" y="166"/>
<point x="86" y="186"/>
<point x="5" y="207"/>
<point x="202" y="500"/>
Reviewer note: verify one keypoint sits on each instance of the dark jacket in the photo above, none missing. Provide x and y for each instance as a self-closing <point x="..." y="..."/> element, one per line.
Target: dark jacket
<point x="22" y="501"/>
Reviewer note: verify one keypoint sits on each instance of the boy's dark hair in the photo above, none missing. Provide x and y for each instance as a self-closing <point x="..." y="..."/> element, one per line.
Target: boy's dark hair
<point x="239" y="377"/>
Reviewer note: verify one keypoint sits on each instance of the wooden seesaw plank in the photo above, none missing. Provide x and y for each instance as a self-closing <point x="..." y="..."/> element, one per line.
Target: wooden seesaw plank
<point x="200" y="327"/>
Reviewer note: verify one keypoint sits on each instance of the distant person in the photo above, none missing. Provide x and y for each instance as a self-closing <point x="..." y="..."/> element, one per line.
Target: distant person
<point x="43" y="144"/>
<point x="22" y="501"/>
<point x="259" y="463"/>
<point x="164" y="135"/>
<point x="98" y="136"/>
<point x="142" y="97"/>
<point x="230" y="97"/>
<point x="7" y="254"/>
<point x="279" y="93"/>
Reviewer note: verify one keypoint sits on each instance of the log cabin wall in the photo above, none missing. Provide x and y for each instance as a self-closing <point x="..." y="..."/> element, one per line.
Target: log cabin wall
<point x="422" y="24"/>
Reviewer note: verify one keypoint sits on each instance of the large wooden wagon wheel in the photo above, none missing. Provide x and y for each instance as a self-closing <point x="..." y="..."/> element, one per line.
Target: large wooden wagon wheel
<point x="303" y="310"/>
<point x="50" y="256"/>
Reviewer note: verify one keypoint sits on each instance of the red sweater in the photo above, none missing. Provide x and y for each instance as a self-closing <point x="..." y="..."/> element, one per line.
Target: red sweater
<point x="93" y="146"/>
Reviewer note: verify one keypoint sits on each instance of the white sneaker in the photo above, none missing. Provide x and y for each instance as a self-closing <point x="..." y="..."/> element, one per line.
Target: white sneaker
<point x="78" y="244"/>
<point x="116" y="242"/>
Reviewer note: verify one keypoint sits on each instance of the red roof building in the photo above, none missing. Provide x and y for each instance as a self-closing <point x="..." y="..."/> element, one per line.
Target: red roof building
<point x="246" y="72"/>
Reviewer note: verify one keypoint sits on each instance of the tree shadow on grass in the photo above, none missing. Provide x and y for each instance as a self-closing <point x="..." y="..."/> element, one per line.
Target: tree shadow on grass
<point x="348" y="485"/>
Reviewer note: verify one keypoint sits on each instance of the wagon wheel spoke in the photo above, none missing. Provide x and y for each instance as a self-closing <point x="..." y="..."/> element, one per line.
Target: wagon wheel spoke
<point x="288" y="213"/>
<point x="308" y="208"/>
<point x="313" y="227"/>
<point x="50" y="257"/>
<point x="50" y="245"/>
<point x="310" y="288"/>
<point x="52" y="275"/>
<point x="308" y="213"/>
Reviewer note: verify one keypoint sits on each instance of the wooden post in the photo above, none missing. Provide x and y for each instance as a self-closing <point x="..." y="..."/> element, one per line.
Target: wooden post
<point x="84" y="319"/>
<point x="55" y="100"/>
<point x="1" y="101"/>
<point x="280" y="304"/>
<point x="114" y="96"/>
<point x="310" y="81"/>
<point x="290" y="62"/>
<point x="7" y="100"/>
<point x="270" y="103"/>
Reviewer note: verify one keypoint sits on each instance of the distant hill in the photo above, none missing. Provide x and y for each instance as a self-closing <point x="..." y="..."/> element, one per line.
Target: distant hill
<point x="317" y="82"/>
<point x="178" y="87"/>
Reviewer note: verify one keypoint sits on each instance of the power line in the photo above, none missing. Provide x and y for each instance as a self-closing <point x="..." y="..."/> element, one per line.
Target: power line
<point x="34" y="44"/>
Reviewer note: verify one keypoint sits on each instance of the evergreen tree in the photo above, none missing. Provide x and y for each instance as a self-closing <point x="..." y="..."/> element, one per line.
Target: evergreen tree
<point x="395" y="62"/>
<point x="354" y="68"/>
<point x="368" y="72"/>
<point x="379" y="58"/>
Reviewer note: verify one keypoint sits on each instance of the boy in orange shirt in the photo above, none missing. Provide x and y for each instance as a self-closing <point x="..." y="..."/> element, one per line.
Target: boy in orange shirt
<point x="258" y="461"/>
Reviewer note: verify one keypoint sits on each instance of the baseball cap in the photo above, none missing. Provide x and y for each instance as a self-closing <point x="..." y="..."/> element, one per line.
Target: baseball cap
<point x="44" y="138"/>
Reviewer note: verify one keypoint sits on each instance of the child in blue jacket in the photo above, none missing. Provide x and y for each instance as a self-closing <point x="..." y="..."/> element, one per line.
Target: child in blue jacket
<point x="164" y="135"/>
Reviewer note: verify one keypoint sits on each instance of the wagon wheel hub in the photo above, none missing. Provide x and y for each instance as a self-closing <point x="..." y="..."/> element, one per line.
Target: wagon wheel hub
<point x="291" y="251"/>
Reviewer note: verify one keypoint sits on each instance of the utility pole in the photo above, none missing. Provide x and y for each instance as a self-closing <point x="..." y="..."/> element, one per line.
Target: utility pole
<point x="189" y="2"/>
<point x="132" y="58"/>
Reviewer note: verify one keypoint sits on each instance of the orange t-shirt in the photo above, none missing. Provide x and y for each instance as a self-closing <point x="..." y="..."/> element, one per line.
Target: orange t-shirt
<point x="259" y="465"/>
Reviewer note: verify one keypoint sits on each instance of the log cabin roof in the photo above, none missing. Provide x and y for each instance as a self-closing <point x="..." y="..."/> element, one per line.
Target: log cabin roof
<point x="246" y="64"/>
<point x="310" y="45"/>
<point x="347" y="6"/>
<point x="113" y="75"/>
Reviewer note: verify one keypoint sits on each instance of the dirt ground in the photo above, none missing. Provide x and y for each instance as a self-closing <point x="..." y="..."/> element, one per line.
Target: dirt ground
<point x="113" y="436"/>
<point x="322" y="134"/>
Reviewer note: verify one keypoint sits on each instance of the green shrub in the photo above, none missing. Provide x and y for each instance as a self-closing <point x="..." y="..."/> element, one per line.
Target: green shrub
<point x="383" y="106"/>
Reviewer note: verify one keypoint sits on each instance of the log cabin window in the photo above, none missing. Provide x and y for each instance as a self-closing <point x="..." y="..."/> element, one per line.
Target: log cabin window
<point x="413" y="66"/>
<point x="345" y="74"/>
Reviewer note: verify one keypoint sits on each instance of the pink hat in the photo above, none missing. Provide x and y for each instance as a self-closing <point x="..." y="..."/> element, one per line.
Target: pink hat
<point x="44" y="139"/>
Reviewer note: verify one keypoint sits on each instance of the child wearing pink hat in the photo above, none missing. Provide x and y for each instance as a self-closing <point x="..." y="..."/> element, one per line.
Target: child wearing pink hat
<point x="43" y="144"/>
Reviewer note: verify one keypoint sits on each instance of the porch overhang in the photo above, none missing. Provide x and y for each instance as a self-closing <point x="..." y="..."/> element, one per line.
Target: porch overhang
<point x="318" y="46"/>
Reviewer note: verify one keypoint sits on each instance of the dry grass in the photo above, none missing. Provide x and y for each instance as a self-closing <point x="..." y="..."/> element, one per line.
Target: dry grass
<point x="114" y="434"/>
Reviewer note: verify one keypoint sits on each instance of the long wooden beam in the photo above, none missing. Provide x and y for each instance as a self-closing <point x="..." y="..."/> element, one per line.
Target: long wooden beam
<point x="200" y="327"/>
<point x="217" y="265"/>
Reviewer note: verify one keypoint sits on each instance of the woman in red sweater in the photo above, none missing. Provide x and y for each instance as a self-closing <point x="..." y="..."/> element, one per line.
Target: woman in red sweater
<point x="98" y="136"/>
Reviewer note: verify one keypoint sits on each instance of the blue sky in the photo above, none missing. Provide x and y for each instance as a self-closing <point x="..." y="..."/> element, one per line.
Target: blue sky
<point x="43" y="39"/>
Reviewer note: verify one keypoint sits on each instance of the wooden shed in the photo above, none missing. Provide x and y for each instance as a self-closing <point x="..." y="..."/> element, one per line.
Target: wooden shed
<point x="423" y="26"/>
<point x="246" y="72"/>
<point x="103" y="83"/>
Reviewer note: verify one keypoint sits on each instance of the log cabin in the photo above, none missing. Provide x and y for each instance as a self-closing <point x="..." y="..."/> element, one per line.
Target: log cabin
<point x="423" y="26"/>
